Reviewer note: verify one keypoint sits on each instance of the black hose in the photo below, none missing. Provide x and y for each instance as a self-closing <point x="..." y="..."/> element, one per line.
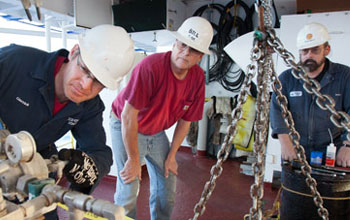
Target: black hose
<point x="221" y="70"/>
<point x="277" y="24"/>
<point x="217" y="7"/>
<point x="248" y="15"/>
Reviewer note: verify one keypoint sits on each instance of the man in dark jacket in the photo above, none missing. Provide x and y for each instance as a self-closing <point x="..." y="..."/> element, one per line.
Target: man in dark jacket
<point x="313" y="123"/>
<point x="314" y="126"/>
<point x="49" y="94"/>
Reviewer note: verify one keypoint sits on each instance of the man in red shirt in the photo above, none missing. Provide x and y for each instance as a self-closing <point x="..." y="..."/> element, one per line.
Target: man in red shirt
<point x="164" y="88"/>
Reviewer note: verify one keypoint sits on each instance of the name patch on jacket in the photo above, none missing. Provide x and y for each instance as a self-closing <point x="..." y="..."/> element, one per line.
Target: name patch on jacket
<point x="295" y="93"/>
<point x="72" y="121"/>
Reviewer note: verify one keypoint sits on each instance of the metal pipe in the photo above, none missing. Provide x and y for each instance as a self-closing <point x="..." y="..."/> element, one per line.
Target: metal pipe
<point x="48" y="32"/>
<point x="64" y="34"/>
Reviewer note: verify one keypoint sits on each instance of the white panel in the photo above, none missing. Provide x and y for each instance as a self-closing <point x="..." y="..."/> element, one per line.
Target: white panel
<point x="176" y="14"/>
<point x="89" y="13"/>
<point x="62" y="6"/>
<point x="285" y="7"/>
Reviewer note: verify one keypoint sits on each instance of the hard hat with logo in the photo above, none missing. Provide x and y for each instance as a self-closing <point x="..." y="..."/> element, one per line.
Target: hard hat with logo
<point x="108" y="53"/>
<point x="196" y="32"/>
<point x="312" y="35"/>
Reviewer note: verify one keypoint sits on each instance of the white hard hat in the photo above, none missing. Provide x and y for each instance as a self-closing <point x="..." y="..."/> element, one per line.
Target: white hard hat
<point x="196" y="32"/>
<point x="108" y="53"/>
<point x="312" y="35"/>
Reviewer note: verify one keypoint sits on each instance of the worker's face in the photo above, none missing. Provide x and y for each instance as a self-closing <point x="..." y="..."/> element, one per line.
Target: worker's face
<point x="313" y="58"/>
<point x="79" y="83"/>
<point x="184" y="57"/>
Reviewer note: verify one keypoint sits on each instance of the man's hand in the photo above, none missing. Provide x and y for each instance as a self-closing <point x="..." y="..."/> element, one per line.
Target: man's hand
<point x="287" y="150"/>
<point x="80" y="170"/>
<point x="170" y="165"/>
<point x="131" y="171"/>
<point x="343" y="157"/>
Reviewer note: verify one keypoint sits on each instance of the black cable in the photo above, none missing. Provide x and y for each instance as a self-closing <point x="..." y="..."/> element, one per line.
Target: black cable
<point x="248" y="15"/>
<point x="277" y="23"/>
<point x="221" y="71"/>
<point x="217" y="7"/>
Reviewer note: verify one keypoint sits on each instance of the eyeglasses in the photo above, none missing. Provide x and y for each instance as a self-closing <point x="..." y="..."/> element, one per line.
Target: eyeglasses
<point x="182" y="46"/>
<point x="314" y="50"/>
<point x="87" y="72"/>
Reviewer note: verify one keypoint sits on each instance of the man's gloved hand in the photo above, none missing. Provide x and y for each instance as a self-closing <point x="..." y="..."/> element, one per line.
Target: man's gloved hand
<point x="80" y="170"/>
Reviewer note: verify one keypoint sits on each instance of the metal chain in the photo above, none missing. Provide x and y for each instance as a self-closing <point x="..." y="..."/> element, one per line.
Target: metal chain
<point x="267" y="5"/>
<point x="226" y="146"/>
<point x="261" y="134"/>
<point x="276" y="44"/>
<point x="261" y="64"/>
<point x="264" y="70"/>
<point x="264" y="66"/>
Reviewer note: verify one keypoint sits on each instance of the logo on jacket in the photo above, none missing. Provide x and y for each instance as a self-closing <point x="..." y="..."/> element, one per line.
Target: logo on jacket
<point x="72" y="121"/>
<point x="295" y="94"/>
<point x="22" y="102"/>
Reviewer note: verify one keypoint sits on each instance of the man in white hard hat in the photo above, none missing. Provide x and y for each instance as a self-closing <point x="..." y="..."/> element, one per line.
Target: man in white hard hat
<point x="313" y="124"/>
<point x="49" y="94"/>
<point x="310" y="120"/>
<point x="164" y="89"/>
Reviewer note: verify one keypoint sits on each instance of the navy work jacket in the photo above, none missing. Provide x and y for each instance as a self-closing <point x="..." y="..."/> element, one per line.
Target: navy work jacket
<point x="311" y="121"/>
<point x="27" y="101"/>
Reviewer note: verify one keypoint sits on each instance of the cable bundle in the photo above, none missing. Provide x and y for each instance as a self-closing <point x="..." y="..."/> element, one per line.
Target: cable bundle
<point x="229" y="27"/>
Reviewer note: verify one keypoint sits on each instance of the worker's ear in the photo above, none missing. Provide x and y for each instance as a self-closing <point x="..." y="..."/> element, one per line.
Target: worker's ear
<point x="74" y="52"/>
<point x="174" y="45"/>
<point x="201" y="56"/>
<point x="327" y="50"/>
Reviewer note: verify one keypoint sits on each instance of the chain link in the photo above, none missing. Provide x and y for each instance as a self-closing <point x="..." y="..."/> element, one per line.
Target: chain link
<point x="226" y="146"/>
<point x="261" y="133"/>
<point x="264" y="70"/>
<point x="267" y="5"/>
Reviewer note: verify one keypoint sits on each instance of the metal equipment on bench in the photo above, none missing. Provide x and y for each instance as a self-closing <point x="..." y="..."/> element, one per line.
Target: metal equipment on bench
<point x="26" y="190"/>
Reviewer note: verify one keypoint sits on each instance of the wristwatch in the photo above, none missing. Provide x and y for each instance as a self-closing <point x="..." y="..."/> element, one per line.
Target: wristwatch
<point x="346" y="145"/>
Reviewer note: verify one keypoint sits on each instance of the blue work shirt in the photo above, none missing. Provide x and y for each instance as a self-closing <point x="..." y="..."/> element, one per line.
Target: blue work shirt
<point x="310" y="120"/>
<point x="27" y="102"/>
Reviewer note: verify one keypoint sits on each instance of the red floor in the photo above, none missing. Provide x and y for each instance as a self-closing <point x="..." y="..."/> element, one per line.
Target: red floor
<point x="230" y="200"/>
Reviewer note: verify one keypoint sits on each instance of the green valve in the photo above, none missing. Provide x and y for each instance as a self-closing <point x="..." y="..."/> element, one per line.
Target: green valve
<point x="259" y="35"/>
<point x="35" y="187"/>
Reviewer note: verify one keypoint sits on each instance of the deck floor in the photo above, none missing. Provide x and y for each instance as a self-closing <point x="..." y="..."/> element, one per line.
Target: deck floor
<point x="230" y="199"/>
